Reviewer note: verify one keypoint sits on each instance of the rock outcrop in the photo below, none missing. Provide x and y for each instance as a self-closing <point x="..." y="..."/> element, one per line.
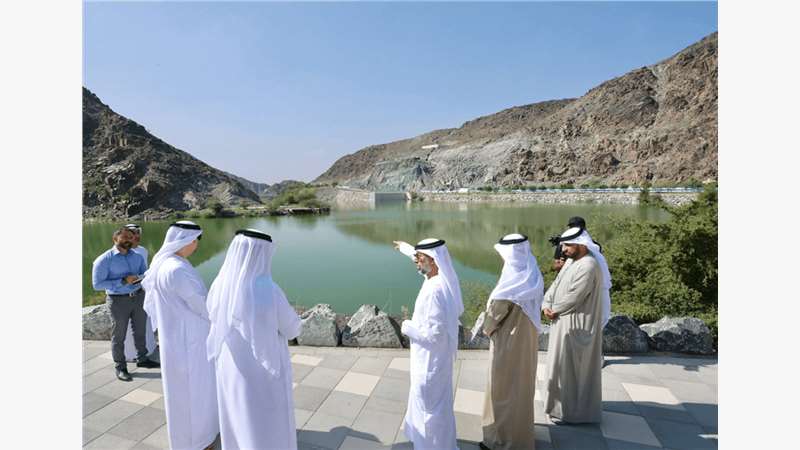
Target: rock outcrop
<point x="622" y="335"/>
<point x="97" y="322"/>
<point x="129" y="172"/>
<point x="258" y="188"/>
<point x="680" y="334"/>
<point x="319" y="327"/>
<point x="371" y="327"/>
<point x="657" y="123"/>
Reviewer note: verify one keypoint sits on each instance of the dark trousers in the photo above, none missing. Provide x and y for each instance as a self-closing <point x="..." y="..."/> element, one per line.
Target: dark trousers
<point x="126" y="309"/>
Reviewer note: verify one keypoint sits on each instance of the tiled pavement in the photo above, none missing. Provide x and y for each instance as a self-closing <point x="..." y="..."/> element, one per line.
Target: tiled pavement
<point x="356" y="398"/>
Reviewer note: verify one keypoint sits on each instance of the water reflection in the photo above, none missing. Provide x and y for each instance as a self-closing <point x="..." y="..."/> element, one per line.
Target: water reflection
<point x="472" y="230"/>
<point x="347" y="259"/>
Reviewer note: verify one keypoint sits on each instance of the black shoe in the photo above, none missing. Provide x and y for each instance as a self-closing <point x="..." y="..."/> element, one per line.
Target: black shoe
<point x="148" y="364"/>
<point x="557" y="421"/>
<point x="123" y="375"/>
<point x="483" y="446"/>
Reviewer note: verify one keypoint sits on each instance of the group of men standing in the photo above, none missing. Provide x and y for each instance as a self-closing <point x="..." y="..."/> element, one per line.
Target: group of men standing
<point x="118" y="272"/>
<point x="577" y="304"/>
<point x="225" y="362"/>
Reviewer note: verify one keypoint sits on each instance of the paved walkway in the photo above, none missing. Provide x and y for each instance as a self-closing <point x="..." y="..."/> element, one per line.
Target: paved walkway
<point x="356" y="398"/>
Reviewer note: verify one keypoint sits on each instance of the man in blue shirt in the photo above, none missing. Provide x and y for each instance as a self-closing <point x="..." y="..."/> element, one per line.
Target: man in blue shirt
<point x="118" y="271"/>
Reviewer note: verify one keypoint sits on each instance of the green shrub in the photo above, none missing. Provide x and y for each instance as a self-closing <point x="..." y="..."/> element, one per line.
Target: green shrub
<point x="474" y="295"/>
<point x="644" y="197"/>
<point x="214" y="208"/>
<point x="304" y="196"/>
<point x="94" y="298"/>
<point x="692" y="183"/>
<point x="667" y="269"/>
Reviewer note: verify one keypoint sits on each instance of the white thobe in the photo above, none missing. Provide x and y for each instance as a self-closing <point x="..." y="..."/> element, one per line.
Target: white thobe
<point x="430" y="422"/>
<point x="190" y="395"/>
<point x="142" y="251"/>
<point x="256" y="409"/>
<point x="150" y="337"/>
<point x="130" y="344"/>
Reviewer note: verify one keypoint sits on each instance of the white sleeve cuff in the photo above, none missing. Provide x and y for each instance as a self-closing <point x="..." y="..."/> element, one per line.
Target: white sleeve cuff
<point x="407" y="249"/>
<point x="407" y="328"/>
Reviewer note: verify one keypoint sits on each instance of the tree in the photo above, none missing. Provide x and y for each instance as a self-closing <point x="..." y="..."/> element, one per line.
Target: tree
<point x="216" y="207"/>
<point x="668" y="269"/>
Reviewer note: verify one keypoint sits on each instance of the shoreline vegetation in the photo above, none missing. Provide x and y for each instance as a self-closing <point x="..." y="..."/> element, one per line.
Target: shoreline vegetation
<point x="298" y="200"/>
<point x="305" y="198"/>
<point x="658" y="269"/>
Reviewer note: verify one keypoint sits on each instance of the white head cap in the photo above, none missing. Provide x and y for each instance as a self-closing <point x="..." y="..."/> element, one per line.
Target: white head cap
<point x="436" y="249"/>
<point x="582" y="237"/>
<point x="179" y="235"/>
<point x="521" y="280"/>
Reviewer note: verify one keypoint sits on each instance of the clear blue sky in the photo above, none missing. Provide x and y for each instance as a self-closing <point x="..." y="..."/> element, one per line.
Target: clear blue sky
<point x="273" y="91"/>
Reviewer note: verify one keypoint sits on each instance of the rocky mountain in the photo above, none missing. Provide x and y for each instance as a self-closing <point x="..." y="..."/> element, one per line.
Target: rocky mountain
<point x="657" y="123"/>
<point x="268" y="191"/>
<point x="256" y="187"/>
<point x="128" y="172"/>
<point x="279" y="188"/>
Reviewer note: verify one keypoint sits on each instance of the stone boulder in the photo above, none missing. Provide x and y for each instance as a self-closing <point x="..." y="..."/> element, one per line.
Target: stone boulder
<point x="97" y="322"/>
<point x="622" y="335"/>
<point x="318" y="327"/>
<point x="680" y="334"/>
<point x="467" y="342"/>
<point x="371" y="327"/>
<point x="544" y="338"/>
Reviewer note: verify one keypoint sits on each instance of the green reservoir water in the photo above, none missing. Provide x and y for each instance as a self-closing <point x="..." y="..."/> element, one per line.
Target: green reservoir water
<point x="346" y="258"/>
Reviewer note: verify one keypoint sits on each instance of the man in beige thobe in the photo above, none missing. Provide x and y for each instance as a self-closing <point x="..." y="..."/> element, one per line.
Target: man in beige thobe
<point x="575" y="303"/>
<point x="512" y="322"/>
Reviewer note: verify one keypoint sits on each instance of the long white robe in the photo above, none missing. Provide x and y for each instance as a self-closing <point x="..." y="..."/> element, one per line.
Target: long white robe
<point x="190" y="395"/>
<point x="256" y="409"/>
<point x="150" y="337"/>
<point x="430" y="422"/>
<point x="130" y="345"/>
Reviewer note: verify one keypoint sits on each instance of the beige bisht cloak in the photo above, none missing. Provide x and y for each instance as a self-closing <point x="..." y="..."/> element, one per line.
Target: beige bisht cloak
<point x="508" y="405"/>
<point x="575" y="348"/>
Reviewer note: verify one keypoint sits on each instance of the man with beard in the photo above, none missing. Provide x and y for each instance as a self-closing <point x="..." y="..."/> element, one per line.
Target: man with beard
<point x="575" y="303"/>
<point x="150" y="338"/>
<point x="430" y="422"/>
<point x="118" y="272"/>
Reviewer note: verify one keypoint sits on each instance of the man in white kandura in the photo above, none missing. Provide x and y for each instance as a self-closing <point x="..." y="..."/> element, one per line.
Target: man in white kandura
<point x="433" y="331"/>
<point x="150" y="338"/>
<point x="175" y="300"/>
<point x="512" y="321"/>
<point x="578" y="304"/>
<point x="251" y="322"/>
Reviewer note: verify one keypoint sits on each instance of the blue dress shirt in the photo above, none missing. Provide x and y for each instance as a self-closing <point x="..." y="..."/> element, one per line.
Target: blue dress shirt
<point x="109" y="269"/>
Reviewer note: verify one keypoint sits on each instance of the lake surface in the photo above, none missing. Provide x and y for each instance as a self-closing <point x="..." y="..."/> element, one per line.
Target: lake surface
<point x="346" y="258"/>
